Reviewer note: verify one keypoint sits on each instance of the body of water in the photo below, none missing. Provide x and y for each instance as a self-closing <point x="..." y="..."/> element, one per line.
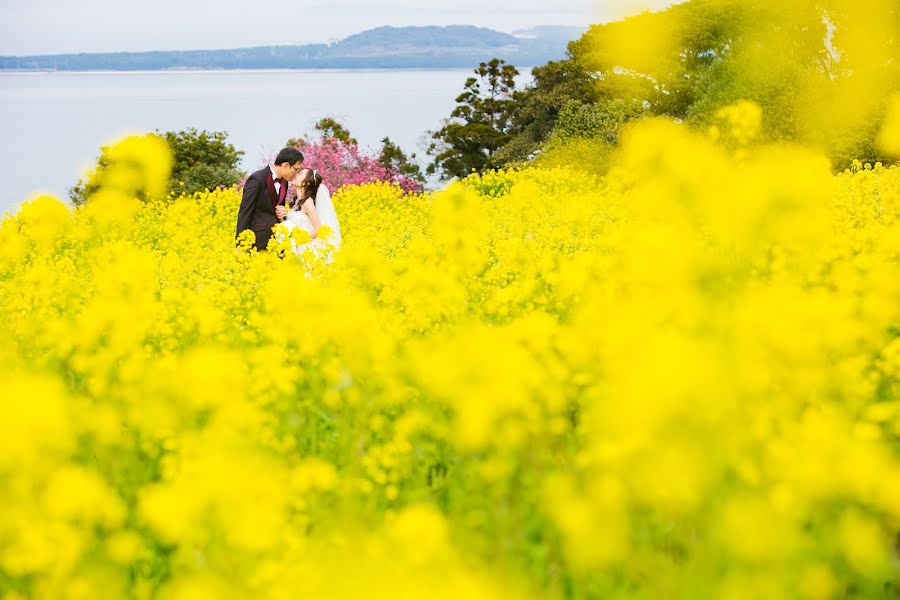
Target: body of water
<point x="53" y="124"/>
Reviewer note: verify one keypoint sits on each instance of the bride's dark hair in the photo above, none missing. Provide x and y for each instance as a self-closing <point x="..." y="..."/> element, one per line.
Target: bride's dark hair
<point x="307" y="188"/>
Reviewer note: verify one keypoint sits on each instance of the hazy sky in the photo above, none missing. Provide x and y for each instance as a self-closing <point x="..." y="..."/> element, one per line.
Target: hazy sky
<point x="62" y="26"/>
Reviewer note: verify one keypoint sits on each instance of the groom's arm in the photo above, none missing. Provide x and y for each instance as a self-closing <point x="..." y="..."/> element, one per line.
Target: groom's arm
<point x="248" y="203"/>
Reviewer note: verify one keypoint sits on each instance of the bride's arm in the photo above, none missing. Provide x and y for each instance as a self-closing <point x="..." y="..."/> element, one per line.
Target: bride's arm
<point x="310" y="209"/>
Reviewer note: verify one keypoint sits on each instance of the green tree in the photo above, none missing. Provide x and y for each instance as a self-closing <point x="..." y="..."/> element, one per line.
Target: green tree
<point x="537" y="107"/>
<point x="598" y="120"/>
<point x="479" y="125"/>
<point x="587" y="134"/>
<point x="202" y="160"/>
<point x="87" y="186"/>
<point x="821" y="72"/>
<point x="598" y="72"/>
<point x="331" y="128"/>
<point x="393" y="157"/>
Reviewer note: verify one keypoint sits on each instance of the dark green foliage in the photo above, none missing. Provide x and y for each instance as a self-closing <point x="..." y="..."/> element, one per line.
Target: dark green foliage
<point x="599" y="120"/>
<point x="480" y="124"/>
<point x="192" y="148"/>
<point x="777" y="55"/>
<point x="331" y="128"/>
<point x="205" y="177"/>
<point x="202" y="160"/>
<point x="537" y="107"/>
<point x="84" y="188"/>
<point x="392" y="157"/>
<point x="587" y="134"/>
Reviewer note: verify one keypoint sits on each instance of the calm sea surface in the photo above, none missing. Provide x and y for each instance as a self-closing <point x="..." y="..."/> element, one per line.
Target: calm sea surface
<point x="53" y="124"/>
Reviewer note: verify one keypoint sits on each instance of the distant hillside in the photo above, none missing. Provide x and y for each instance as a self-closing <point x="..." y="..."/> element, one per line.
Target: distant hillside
<point x="454" y="36"/>
<point x="460" y="46"/>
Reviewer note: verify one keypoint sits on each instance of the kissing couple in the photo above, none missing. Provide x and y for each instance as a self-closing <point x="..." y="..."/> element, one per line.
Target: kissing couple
<point x="267" y="201"/>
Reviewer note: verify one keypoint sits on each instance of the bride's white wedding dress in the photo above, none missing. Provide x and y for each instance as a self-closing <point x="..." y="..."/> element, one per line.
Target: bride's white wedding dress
<point x="322" y="247"/>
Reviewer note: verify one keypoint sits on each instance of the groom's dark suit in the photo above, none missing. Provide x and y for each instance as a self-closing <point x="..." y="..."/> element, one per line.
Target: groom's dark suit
<point x="257" y="211"/>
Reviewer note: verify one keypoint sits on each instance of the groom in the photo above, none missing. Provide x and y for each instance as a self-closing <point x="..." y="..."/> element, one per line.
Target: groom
<point x="262" y="204"/>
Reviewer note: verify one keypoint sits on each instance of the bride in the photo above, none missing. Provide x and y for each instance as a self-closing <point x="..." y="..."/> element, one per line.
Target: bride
<point x="310" y="211"/>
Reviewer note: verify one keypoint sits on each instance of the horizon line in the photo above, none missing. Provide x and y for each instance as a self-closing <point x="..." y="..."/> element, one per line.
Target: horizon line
<point x="328" y="43"/>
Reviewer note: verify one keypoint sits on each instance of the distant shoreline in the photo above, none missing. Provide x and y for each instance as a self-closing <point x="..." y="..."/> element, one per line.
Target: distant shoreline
<point x="222" y="70"/>
<point x="382" y="48"/>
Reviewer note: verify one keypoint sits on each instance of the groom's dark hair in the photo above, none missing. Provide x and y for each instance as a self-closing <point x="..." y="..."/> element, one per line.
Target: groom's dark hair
<point x="289" y="155"/>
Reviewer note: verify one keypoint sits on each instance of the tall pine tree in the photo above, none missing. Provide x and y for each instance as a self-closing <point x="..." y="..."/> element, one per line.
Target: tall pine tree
<point x="479" y="125"/>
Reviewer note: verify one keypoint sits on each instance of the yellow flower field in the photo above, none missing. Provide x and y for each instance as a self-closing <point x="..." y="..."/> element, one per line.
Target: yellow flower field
<point x="677" y="381"/>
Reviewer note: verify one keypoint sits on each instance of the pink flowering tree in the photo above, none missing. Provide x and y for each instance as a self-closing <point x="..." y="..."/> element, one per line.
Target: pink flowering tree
<point x="343" y="162"/>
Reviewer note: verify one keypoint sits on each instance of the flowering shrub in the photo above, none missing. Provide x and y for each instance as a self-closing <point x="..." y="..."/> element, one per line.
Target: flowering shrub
<point x="345" y="163"/>
<point x="680" y="380"/>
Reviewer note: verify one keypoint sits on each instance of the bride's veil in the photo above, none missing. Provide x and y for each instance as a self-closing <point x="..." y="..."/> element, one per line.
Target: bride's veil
<point x="327" y="215"/>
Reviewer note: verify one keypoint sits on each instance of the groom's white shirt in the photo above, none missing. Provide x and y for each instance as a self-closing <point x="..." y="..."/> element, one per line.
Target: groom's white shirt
<point x="277" y="183"/>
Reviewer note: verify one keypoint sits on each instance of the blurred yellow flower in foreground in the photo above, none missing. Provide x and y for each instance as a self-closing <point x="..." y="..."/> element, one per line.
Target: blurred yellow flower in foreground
<point x="889" y="139"/>
<point x="679" y="380"/>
